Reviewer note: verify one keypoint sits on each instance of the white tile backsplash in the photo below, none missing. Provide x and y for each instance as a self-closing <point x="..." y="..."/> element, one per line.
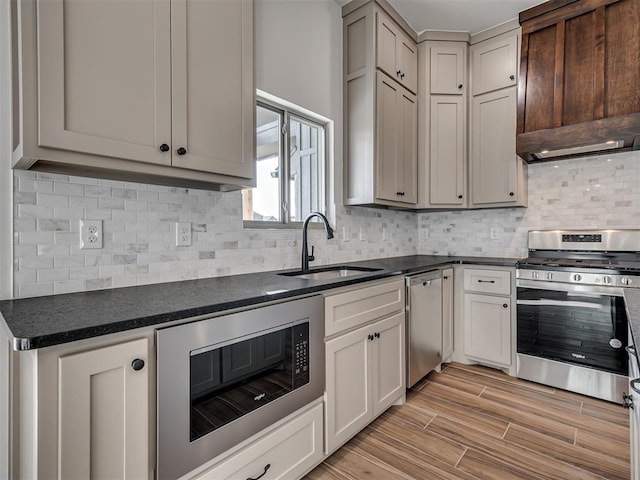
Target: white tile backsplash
<point x="139" y="246"/>
<point x="139" y="243"/>
<point x="590" y="192"/>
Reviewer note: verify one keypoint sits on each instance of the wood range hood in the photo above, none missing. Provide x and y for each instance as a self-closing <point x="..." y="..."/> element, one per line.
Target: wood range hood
<point x="579" y="82"/>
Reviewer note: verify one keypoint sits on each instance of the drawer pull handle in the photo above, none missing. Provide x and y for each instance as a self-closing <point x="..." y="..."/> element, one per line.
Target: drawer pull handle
<point x="266" y="467"/>
<point x="486" y="281"/>
<point x="504" y="305"/>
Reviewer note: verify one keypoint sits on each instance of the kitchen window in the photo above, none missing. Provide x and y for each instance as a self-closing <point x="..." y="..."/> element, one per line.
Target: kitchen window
<point x="290" y="167"/>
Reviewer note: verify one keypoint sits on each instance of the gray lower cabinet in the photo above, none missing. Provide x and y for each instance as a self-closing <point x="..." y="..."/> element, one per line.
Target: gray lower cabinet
<point x="168" y="94"/>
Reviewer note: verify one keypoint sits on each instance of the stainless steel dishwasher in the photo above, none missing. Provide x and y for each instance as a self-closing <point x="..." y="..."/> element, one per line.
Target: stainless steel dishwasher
<point x="424" y="324"/>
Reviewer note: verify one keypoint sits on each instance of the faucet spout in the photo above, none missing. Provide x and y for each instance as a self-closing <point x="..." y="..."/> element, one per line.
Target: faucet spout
<point x="305" y="249"/>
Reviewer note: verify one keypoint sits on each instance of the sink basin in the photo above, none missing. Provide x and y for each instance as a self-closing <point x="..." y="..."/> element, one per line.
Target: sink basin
<point x="330" y="272"/>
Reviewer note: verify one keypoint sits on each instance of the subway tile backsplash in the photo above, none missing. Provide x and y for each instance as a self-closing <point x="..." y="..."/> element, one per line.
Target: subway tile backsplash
<point x="591" y="192"/>
<point x="139" y="235"/>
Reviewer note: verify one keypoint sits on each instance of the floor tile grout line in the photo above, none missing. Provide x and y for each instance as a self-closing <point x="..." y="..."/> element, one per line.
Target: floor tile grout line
<point x="460" y="459"/>
<point x="505" y="431"/>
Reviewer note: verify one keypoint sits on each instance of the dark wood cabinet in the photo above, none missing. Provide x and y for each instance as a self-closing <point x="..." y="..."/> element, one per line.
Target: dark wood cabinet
<point x="579" y="76"/>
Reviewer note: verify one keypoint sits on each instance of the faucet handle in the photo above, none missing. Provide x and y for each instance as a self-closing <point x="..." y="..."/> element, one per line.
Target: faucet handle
<point x="311" y="257"/>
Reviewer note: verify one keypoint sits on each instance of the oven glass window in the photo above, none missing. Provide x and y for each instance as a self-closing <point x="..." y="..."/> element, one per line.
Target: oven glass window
<point x="581" y="328"/>
<point x="233" y="380"/>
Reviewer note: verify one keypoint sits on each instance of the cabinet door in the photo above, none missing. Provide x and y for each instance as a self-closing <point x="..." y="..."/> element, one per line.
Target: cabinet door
<point x="494" y="64"/>
<point x="396" y="52"/>
<point x="213" y="102"/>
<point x="387" y="40"/>
<point x="348" y="386"/>
<point x="387" y="362"/>
<point x="103" y="413"/>
<point x="487" y="328"/>
<point x="105" y="90"/>
<point x="493" y="160"/>
<point x="388" y="127"/>
<point x="446" y="154"/>
<point x="447" y="313"/>
<point x="447" y="70"/>
<point x="407" y="163"/>
<point x="408" y="63"/>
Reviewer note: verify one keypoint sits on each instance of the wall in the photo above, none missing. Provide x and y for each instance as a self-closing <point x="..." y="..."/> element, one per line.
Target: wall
<point x="298" y="58"/>
<point x="590" y="192"/>
<point x="139" y="243"/>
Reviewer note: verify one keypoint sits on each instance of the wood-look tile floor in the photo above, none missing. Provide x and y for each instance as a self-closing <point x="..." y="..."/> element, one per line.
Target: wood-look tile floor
<point x="472" y="422"/>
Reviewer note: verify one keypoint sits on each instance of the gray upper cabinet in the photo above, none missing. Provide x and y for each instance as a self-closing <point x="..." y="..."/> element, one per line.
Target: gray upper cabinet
<point x="380" y="110"/>
<point x="397" y="54"/>
<point x="442" y="120"/>
<point x="498" y="177"/>
<point x="166" y="97"/>
<point x="495" y="63"/>
<point x="448" y="72"/>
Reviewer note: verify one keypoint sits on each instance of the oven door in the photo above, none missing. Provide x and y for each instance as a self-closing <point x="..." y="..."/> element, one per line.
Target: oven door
<point x="578" y="324"/>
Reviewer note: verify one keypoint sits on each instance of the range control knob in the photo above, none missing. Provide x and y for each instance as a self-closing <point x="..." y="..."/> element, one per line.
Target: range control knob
<point x="606" y="280"/>
<point x="535" y="275"/>
<point x="577" y="277"/>
<point x="626" y="281"/>
<point x="549" y="276"/>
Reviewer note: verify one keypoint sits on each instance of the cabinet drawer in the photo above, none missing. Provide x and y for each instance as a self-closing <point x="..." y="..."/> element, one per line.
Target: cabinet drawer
<point x="290" y="451"/>
<point x="347" y="310"/>
<point x="487" y="281"/>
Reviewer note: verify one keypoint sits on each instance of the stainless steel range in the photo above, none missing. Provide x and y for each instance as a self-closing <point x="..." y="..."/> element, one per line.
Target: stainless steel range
<point x="572" y="324"/>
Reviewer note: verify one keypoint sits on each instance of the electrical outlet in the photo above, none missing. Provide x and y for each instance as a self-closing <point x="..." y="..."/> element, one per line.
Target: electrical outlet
<point x="183" y="234"/>
<point x="494" y="233"/>
<point x="424" y="234"/>
<point x="90" y="234"/>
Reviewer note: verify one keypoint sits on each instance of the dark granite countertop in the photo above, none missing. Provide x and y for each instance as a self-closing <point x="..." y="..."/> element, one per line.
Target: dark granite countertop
<point x="51" y="320"/>
<point x="632" y="302"/>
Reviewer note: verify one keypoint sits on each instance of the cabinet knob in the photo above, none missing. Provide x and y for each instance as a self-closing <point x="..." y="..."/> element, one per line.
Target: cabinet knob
<point x="181" y="151"/>
<point x="137" y="364"/>
<point x="377" y="334"/>
<point x="511" y="194"/>
<point x="460" y="87"/>
<point x="164" y="147"/>
<point x="504" y="305"/>
<point x="512" y="77"/>
<point x="446" y="277"/>
<point x="402" y="76"/>
<point x="398" y="73"/>
<point x="459" y="196"/>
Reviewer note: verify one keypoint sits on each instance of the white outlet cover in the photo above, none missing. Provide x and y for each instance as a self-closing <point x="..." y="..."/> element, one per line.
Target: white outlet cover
<point x="90" y="234"/>
<point x="183" y="234"/>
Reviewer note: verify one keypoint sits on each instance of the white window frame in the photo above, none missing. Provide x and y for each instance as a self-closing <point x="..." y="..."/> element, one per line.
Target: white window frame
<point x="288" y="110"/>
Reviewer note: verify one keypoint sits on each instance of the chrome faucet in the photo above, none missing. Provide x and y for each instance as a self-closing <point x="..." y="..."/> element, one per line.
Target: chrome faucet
<point x="306" y="258"/>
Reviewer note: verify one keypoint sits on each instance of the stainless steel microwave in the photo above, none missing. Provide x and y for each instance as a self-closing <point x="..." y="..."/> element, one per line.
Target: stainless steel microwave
<point x="222" y="380"/>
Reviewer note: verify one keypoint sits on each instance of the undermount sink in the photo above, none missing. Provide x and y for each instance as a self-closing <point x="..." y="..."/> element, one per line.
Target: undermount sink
<point x="330" y="272"/>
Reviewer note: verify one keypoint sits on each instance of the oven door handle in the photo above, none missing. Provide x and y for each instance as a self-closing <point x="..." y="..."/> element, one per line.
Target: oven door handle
<point x="559" y="303"/>
<point x="569" y="287"/>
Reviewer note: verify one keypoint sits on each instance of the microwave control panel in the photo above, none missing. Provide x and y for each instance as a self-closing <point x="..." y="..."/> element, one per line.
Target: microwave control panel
<point x="301" y="354"/>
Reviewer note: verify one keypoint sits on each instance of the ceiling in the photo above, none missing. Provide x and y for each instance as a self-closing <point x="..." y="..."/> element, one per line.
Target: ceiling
<point x="471" y="16"/>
